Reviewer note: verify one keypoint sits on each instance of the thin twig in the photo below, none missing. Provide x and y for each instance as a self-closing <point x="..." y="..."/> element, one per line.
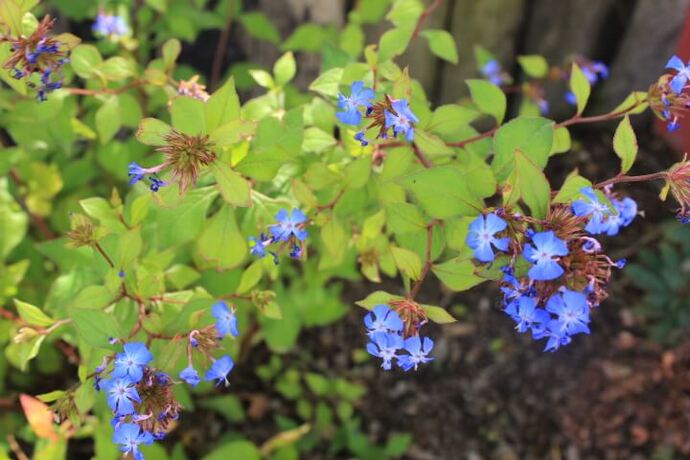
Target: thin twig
<point x="423" y="159"/>
<point x="622" y="178"/>
<point x="220" y="53"/>
<point x="424" y="16"/>
<point x="428" y="262"/>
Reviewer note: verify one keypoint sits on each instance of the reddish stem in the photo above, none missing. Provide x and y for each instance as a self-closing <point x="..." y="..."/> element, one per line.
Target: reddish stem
<point x="424" y="16"/>
<point x="476" y="138"/>
<point x="623" y="178"/>
<point x="220" y="53"/>
<point x="423" y="159"/>
<point x="428" y="262"/>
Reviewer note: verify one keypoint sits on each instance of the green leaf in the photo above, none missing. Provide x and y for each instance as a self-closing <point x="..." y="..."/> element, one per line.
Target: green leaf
<point x="221" y="244"/>
<point x="171" y="51"/>
<point x="571" y="188"/>
<point x="393" y="43"/>
<point x="108" y="119"/>
<point x="259" y="26"/>
<point x="262" y="78"/>
<point x="94" y="326"/>
<point x="13" y="221"/>
<point x="488" y="98"/>
<point x="438" y="315"/>
<point x="580" y="87"/>
<point x="561" y="141"/>
<point x="637" y="99"/>
<point x="377" y="298"/>
<point x="307" y="37"/>
<point x="459" y="199"/>
<point x="152" y="132"/>
<point x="32" y="314"/>
<point x="86" y="60"/>
<point x="335" y="238"/>
<point x="285" y="68"/>
<point x="531" y="135"/>
<point x="229" y="406"/>
<point x="19" y="354"/>
<point x="100" y="209"/>
<point x="528" y="182"/>
<point x="189" y="115"/>
<point x="118" y="68"/>
<point x="316" y="140"/>
<point x="234" y="188"/>
<point x="442" y="44"/>
<point x="250" y="277"/>
<point x="625" y="144"/>
<point x="408" y="262"/>
<point x="457" y="274"/>
<point x="534" y="65"/>
<point x="404" y="218"/>
<point x="328" y="82"/>
<point x="11" y="14"/>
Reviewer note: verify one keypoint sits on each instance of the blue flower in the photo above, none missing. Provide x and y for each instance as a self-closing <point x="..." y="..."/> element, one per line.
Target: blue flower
<point x="401" y="119"/>
<point x="190" y="375"/>
<point x="626" y="211"/>
<point x="130" y="363"/>
<point x="593" y="71"/>
<point x="492" y="70"/>
<point x="226" y="320"/>
<point x="136" y="173"/>
<point x="556" y="338"/>
<point x="289" y="225"/>
<point x="418" y="353"/>
<point x="296" y="251"/>
<point x="360" y="137"/>
<point x="110" y="25"/>
<point x="359" y="97"/>
<point x="527" y="315"/>
<point x="383" y="319"/>
<point x="121" y="395"/>
<point x="257" y="246"/>
<point x="130" y="436"/>
<point x="156" y="183"/>
<point x="572" y="313"/>
<point x="543" y="253"/>
<point x="481" y="236"/>
<point x="384" y="345"/>
<point x="219" y="370"/>
<point x="591" y="207"/>
<point x="681" y="78"/>
<point x="570" y="98"/>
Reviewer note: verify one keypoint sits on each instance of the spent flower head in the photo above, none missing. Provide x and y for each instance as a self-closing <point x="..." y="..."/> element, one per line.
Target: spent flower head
<point x="186" y="156"/>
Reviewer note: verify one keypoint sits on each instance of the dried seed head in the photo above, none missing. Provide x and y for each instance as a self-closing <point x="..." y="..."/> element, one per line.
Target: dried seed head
<point x="186" y="155"/>
<point x="678" y="183"/>
<point x="83" y="232"/>
<point x="412" y="314"/>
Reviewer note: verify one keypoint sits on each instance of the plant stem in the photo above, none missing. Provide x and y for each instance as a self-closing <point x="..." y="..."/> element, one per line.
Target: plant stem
<point x="428" y="262"/>
<point x="221" y="46"/>
<point x="623" y="178"/>
<point x="424" y="16"/>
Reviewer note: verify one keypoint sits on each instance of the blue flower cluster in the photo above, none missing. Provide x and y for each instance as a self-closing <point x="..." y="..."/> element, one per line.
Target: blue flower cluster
<point x="137" y="173"/>
<point x="110" y="25"/>
<point x="601" y="218"/>
<point x="387" y="341"/>
<point x="142" y="398"/>
<point x="225" y="325"/>
<point x="560" y="278"/>
<point x="673" y="98"/>
<point x="391" y="115"/>
<point x="48" y="68"/>
<point x="594" y="71"/>
<point x="493" y="71"/>
<point x="289" y="231"/>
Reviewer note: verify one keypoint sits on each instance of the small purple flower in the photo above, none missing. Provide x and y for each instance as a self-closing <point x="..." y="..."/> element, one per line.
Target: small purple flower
<point x="131" y="362"/>
<point x="121" y="394"/>
<point x="190" y="375"/>
<point x="493" y="71"/>
<point x="572" y="311"/>
<point x="385" y="346"/>
<point x="544" y="253"/>
<point x="401" y="119"/>
<point x="383" y="319"/>
<point x="679" y="81"/>
<point x="360" y="97"/>
<point x="219" y="370"/>
<point x="593" y="208"/>
<point x="482" y="236"/>
<point x="226" y="320"/>
<point x="289" y="225"/>
<point x="130" y="436"/>
<point x="418" y="353"/>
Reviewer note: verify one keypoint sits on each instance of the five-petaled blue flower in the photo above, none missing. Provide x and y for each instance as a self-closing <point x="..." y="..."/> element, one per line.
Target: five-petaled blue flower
<point x="360" y="97"/>
<point x="130" y="436"/>
<point x="385" y="346"/>
<point x="190" y="375"/>
<point x="572" y="313"/>
<point x="383" y="319"/>
<point x="130" y="363"/>
<point x="556" y="339"/>
<point x="401" y="119"/>
<point x="289" y="225"/>
<point x="219" y="370"/>
<point x="528" y="316"/>
<point x="121" y="395"/>
<point x="542" y="253"/>
<point x="226" y="320"/>
<point x="679" y="81"/>
<point x="418" y="352"/>
<point x="110" y="25"/>
<point x="593" y="208"/>
<point x="482" y="236"/>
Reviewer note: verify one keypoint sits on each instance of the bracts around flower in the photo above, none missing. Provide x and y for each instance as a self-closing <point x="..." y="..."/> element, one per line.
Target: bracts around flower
<point x="553" y="270"/>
